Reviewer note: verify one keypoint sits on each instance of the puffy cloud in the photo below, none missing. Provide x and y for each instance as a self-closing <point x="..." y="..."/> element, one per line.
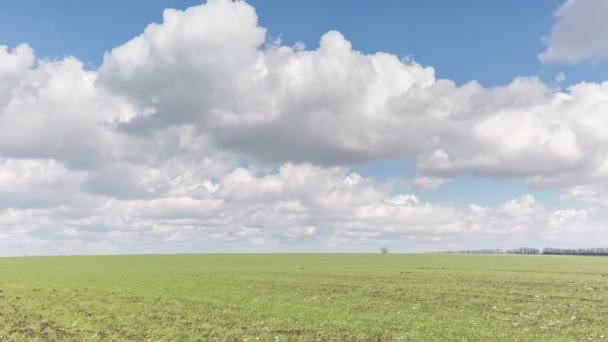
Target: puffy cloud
<point x="296" y="208"/>
<point x="337" y="106"/>
<point x="595" y="195"/>
<point x="13" y="66"/>
<point x="187" y="68"/>
<point x="581" y="32"/>
<point x="53" y="110"/>
<point x="35" y="183"/>
<point x="326" y="105"/>
<point x="557" y="141"/>
<point x="199" y="78"/>
<point x="428" y="182"/>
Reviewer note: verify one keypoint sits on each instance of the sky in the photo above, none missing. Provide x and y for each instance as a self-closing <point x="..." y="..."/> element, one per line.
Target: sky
<point x="232" y="126"/>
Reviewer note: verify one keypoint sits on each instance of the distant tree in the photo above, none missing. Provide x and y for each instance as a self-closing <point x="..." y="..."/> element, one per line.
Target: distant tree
<point x="521" y="250"/>
<point x="579" y="251"/>
<point x="529" y="250"/>
<point x="384" y="250"/>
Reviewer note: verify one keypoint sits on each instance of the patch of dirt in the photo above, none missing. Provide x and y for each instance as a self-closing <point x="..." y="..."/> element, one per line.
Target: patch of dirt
<point x="295" y="332"/>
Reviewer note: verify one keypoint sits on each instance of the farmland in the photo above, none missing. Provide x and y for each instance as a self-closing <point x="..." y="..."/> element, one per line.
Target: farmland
<point x="272" y="297"/>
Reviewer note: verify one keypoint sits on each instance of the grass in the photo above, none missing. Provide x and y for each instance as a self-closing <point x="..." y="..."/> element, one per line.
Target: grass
<point x="304" y="297"/>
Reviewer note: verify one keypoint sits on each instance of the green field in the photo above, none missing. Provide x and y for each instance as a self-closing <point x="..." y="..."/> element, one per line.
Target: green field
<point x="329" y="297"/>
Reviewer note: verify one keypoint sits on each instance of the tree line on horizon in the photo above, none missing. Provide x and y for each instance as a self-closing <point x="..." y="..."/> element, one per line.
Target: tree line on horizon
<point x="532" y="251"/>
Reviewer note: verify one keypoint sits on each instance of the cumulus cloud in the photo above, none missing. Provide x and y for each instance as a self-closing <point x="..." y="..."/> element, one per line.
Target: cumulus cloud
<point x="200" y="134"/>
<point x="581" y="32"/>
<point x="334" y="105"/>
<point x="428" y="182"/>
<point x="53" y="110"/>
<point x="39" y="183"/>
<point x="296" y="208"/>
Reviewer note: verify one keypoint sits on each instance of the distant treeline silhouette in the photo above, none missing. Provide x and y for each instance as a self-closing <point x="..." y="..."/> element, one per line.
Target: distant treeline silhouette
<point x="528" y="250"/>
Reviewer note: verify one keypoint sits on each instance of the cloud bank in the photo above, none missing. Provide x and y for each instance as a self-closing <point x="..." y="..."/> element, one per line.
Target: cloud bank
<point x="202" y="135"/>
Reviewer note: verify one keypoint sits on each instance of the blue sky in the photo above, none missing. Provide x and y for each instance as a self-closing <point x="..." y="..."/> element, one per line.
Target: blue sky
<point x="488" y="41"/>
<point x="210" y="103"/>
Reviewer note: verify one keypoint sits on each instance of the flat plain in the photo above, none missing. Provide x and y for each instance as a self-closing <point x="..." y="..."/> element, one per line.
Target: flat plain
<point x="304" y="297"/>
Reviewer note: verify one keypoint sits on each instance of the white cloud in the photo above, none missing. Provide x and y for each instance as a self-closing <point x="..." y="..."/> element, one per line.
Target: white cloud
<point x="13" y="65"/>
<point x="53" y="110"/>
<point x="335" y="105"/>
<point x="300" y="207"/>
<point x="428" y="182"/>
<point x="39" y="183"/>
<point x="581" y="32"/>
